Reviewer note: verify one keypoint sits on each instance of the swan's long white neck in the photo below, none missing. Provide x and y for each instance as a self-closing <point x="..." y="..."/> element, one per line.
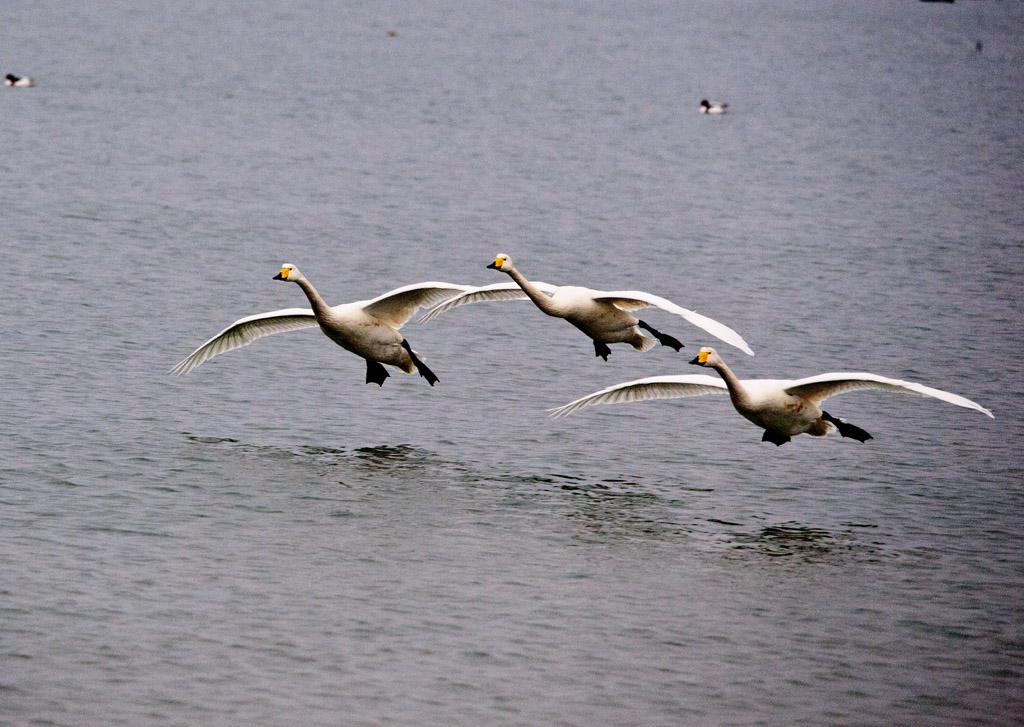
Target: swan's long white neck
<point x="320" y="307"/>
<point x="542" y="300"/>
<point x="738" y="394"/>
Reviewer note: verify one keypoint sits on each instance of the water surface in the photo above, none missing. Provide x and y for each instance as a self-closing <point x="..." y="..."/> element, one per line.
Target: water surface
<point x="271" y="541"/>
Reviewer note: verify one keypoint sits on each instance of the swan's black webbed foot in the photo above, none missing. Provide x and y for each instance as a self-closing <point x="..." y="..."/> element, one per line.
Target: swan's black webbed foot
<point x="375" y="373"/>
<point x="602" y="350"/>
<point x="776" y="438"/>
<point x="846" y="429"/>
<point x="663" y="338"/>
<point x="420" y="366"/>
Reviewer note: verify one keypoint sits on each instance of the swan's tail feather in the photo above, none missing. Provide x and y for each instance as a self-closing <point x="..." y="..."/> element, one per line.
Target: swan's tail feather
<point x="646" y="344"/>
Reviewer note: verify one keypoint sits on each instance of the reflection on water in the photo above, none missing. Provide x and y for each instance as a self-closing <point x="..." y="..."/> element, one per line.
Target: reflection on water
<point x="806" y="543"/>
<point x="384" y="458"/>
<point x="400" y="458"/>
<point x="611" y="511"/>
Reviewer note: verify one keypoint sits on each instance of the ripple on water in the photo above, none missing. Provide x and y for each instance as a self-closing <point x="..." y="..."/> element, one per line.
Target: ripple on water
<point x="806" y="543"/>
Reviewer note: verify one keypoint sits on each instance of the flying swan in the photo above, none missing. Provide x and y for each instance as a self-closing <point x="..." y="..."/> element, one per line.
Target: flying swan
<point x="367" y="328"/>
<point x="783" y="408"/>
<point x="601" y="315"/>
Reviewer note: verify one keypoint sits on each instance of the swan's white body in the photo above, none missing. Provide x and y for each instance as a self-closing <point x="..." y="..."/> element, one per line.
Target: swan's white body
<point x="12" y="80"/>
<point x="782" y="407"/>
<point x="706" y="107"/>
<point x="602" y="315"/>
<point x="367" y="328"/>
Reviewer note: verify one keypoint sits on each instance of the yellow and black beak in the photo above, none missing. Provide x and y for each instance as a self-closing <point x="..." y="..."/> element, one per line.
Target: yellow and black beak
<point x="700" y="359"/>
<point x="283" y="275"/>
<point x="495" y="265"/>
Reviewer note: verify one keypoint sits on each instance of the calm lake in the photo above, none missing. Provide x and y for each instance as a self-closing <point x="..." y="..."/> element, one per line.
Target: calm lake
<point x="270" y="541"/>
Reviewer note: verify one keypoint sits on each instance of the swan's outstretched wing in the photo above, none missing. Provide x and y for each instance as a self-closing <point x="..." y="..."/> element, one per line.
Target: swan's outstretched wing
<point x="246" y="330"/>
<point x="653" y="387"/>
<point x="498" y="291"/>
<point x="630" y="300"/>
<point x="820" y="387"/>
<point x="398" y="306"/>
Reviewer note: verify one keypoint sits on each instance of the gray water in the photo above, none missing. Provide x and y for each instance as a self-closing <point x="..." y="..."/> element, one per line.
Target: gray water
<point x="271" y="541"/>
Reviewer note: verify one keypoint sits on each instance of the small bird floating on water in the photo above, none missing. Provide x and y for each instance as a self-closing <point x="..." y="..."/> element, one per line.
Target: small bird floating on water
<point x="706" y="107"/>
<point x="12" y="80"/>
